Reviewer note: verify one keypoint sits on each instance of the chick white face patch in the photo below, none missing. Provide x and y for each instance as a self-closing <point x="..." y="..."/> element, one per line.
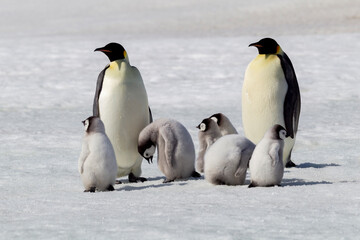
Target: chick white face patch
<point x="202" y="127"/>
<point x="150" y="151"/>
<point x="86" y="124"/>
<point x="215" y="119"/>
<point x="282" y="134"/>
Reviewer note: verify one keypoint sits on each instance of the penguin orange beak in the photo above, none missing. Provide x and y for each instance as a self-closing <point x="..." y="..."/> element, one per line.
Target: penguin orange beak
<point x="102" y="50"/>
<point x="255" y="45"/>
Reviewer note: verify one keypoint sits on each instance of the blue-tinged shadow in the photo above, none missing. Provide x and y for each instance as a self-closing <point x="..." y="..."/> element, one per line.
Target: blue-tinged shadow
<point x="134" y="186"/>
<point x="301" y="182"/>
<point x="315" y="165"/>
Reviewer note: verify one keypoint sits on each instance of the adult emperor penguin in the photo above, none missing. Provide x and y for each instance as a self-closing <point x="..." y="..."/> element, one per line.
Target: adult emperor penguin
<point x="266" y="165"/>
<point x="271" y="95"/>
<point x="121" y="103"/>
<point x="97" y="162"/>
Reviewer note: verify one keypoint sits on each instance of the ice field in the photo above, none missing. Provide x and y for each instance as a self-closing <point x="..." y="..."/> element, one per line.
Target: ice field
<point x="192" y="56"/>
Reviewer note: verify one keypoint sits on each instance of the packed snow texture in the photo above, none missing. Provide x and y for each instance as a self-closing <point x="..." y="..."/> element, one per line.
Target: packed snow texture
<point x="192" y="56"/>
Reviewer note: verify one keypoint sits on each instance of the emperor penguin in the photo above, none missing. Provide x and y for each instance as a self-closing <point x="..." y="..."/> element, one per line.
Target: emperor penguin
<point x="175" y="148"/>
<point x="97" y="162"/>
<point x="209" y="132"/>
<point x="224" y="123"/>
<point x="121" y="102"/>
<point x="226" y="161"/>
<point x="266" y="165"/>
<point x="271" y="95"/>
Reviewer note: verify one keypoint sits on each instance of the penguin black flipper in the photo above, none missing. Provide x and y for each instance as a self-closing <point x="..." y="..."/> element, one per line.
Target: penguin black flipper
<point x="292" y="101"/>
<point x="150" y="116"/>
<point x="99" y="84"/>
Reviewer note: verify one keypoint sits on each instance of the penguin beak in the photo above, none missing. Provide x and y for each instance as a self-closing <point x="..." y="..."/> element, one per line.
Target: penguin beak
<point x="150" y="159"/>
<point x="104" y="50"/>
<point x="198" y="126"/>
<point x="255" y="45"/>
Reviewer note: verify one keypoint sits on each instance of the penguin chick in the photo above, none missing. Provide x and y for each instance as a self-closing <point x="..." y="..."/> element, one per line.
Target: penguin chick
<point x="209" y="132"/>
<point x="224" y="124"/>
<point x="227" y="159"/>
<point x="271" y="95"/>
<point x="175" y="148"/>
<point x="266" y="165"/>
<point x="122" y="104"/>
<point x="97" y="162"/>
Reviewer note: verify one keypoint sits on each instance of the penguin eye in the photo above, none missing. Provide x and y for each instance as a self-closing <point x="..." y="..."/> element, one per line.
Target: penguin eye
<point x="202" y="127"/>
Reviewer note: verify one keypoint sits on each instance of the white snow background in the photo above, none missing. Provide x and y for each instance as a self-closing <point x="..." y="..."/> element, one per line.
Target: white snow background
<point x="192" y="56"/>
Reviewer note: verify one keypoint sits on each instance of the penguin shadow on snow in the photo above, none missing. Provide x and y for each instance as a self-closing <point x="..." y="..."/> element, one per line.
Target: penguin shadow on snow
<point x="180" y="182"/>
<point x="315" y="165"/>
<point x="300" y="182"/>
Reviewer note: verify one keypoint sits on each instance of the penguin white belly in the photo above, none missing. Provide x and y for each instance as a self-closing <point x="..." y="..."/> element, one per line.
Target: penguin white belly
<point x="123" y="108"/>
<point x="263" y="96"/>
<point x="99" y="169"/>
<point x="263" y="170"/>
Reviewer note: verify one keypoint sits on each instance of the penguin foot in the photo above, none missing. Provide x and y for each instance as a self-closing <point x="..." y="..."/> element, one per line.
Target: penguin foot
<point x="252" y="185"/>
<point x="195" y="174"/>
<point x="168" y="180"/>
<point x="110" y="188"/>
<point x="118" y="181"/>
<point x="219" y="182"/>
<point x="133" y="178"/>
<point x="290" y="164"/>
<point x="92" y="189"/>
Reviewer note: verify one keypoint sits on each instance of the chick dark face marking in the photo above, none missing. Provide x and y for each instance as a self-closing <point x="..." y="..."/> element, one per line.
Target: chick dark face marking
<point x="87" y="123"/>
<point x="217" y="118"/>
<point x="204" y="125"/>
<point x="147" y="150"/>
<point x="279" y="132"/>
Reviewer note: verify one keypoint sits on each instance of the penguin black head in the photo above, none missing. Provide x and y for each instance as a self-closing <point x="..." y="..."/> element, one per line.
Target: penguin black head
<point x="266" y="46"/>
<point x="279" y="132"/>
<point x="114" y="51"/>
<point x="205" y="124"/>
<point x="93" y="124"/>
<point x="147" y="150"/>
<point x="217" y="118"/>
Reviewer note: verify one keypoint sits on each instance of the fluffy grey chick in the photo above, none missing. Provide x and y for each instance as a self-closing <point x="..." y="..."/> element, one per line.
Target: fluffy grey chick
<point x="209" y="132"/>
<point x="224" y="124"/>
<point x="266" y="165"/>
<point x="175" y="148"/>
<point x="227" y="159"/>
<point x="97" y="162"/>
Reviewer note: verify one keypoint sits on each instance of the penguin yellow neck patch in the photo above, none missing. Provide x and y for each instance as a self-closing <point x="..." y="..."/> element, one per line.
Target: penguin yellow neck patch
<point x="126" y="56"/>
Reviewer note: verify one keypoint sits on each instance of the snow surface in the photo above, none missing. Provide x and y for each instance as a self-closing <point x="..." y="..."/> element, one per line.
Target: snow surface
<point x="192" y="56"/>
